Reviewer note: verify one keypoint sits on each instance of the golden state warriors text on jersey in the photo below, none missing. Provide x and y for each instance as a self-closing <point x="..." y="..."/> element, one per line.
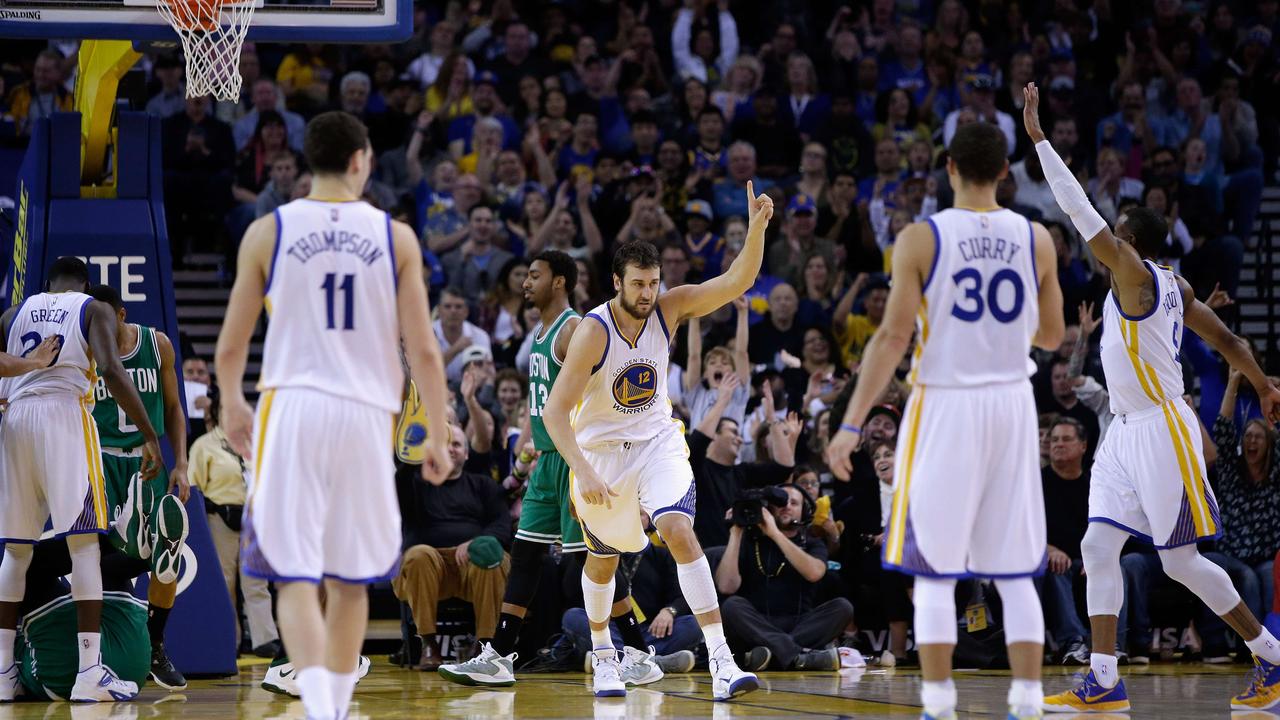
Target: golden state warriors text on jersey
<point x="626" y="398"/>
<point x="635" y="386"/>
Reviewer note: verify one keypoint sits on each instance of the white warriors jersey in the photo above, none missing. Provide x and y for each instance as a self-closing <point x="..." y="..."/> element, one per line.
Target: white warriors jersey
<point x="43" y="316"/>
<point x="626" y="397"/>
<point x="981" y="304"/>
<point x="331" y="298"/>
<point x="1140" y="353"/>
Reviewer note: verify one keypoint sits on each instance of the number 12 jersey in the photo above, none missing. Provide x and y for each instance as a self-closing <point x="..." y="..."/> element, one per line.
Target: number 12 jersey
<point x="331" y="299"/>
<point x="981" y="304"/>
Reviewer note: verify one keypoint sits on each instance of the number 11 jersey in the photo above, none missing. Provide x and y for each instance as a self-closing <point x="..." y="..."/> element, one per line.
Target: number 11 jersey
<point x="331" y="300"/>
<point x="981" y="305"/>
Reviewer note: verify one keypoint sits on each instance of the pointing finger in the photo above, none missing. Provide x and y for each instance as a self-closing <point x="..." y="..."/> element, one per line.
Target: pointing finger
<point x="751" y="191"/>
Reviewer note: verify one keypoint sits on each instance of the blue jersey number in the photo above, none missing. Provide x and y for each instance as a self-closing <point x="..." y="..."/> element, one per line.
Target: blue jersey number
<point x="32" y="340"/>
<point x="347" y="287"/>
<point x="971" y="307"/>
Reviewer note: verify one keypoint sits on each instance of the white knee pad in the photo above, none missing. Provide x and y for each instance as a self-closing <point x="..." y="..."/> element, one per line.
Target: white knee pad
<point x="86" y="568"/>
<point x="13" y="571"/>
<point x="1209" y="582"/>
<point x="1023" y="618"/>
<point x="597" y="599"/>
<point x="1104" y="583"/>
<point x="697" y="585"/>
<point x="935" y="601"/>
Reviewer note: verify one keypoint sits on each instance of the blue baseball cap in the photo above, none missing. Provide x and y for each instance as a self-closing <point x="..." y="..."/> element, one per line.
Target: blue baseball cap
<point x="802" y="203"/>
<point x="485" y="77"/>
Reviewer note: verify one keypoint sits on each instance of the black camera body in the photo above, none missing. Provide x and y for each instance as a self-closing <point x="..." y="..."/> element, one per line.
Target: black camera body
<point x="748" y="507"/>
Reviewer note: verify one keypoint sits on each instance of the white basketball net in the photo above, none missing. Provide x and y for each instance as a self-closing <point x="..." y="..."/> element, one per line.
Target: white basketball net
<point x="212" y="33"/>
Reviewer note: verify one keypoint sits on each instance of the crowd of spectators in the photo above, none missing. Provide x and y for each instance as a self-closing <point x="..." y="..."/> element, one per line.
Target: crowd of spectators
<point x="503" y="128"/>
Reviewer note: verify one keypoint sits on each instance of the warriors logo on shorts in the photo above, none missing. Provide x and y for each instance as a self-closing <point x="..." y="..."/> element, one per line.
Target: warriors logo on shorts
<point x="635" y="387"/>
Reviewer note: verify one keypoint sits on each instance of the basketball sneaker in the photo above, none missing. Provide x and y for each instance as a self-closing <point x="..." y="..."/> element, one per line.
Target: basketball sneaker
<point x="281" y="678"/>
<point x="100" y="684"/>
<point x="9" y="685"/>
<point x="727" y="681"/>
<point x="640" y="667"/>
<point x="488" y="669"/>
<point x="607" y="672"/>
<point x="131" y="533"/>
<point x="163" y="673"/>
<point x="1089" y="696"/>
<point x="1264" y="687"/>
<point x="170" y="532"/>
<point x="681" y="661"/>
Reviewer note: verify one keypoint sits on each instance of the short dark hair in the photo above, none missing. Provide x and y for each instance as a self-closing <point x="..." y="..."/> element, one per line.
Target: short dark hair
<point x="480" y="206"/>
<point x="331" y="139"/>
<point x="108" y="295"/>
<point x="1149" y="230"/>
<point x="720" y="423"/>
<point x="1075" y="424"/>
<point x="979" y="151"/>
<point x="455" y="291"/>
<point x="710" y="109"/>
<point x="640" y="253"/>
<point x="561" y="266"/>
<point x="70" y="267"/>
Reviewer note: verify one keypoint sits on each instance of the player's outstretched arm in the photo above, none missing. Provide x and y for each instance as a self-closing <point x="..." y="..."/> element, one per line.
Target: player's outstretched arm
<point x="232" y="351"/>
<point x="1052" y="325"/>
<point x="422" y="350"/>
<point x="40" y="356"/>
<point x="1120" y="257"/>
<point x="175" y="418"/>
<point x="1205" y="323"/>
<point x="585" y="351"/>
<point x="912" y="258"/>
<point x="697" y="300"/>
<point x="101" y="318"/>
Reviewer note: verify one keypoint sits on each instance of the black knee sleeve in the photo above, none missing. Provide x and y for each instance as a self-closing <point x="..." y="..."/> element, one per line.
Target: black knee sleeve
<point x="526" y="571"/>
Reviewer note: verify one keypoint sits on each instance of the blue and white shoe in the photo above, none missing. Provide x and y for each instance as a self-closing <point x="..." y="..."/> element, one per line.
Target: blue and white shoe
<point x="9" y="684"/>
<point x="100" y="684"/>
<point x="1089" y="697"/>
<point x="607" y="672"/>
<point x="1263" y="692"/>
<point x="727" y="680"/>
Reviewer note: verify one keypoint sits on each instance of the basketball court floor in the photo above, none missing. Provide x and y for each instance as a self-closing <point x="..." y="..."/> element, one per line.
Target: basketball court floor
<point x="1169" y="692"/>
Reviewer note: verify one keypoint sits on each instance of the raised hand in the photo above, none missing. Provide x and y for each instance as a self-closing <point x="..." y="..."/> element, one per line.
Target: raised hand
<point x="1218" y="298"/>
<point x="1087" y="322"/>
<point x="1031" y="112"/>
<point x="759" y="207"/>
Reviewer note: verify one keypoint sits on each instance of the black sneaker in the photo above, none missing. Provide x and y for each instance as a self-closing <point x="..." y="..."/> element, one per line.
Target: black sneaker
<point x="755" y="659"/>
<point x="163" y="673"/>
<point x="267" y="650"/>
<point x="828" y="659"/>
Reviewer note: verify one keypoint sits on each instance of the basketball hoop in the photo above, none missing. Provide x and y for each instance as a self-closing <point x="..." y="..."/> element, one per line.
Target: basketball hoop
<point x="212" y="33"/>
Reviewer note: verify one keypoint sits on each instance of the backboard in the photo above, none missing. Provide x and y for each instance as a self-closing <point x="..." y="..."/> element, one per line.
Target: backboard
<point x="342" y="21"/>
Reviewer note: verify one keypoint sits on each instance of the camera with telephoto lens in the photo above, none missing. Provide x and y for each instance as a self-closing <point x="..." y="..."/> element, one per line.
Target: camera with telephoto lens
<point x="748" y="507"/>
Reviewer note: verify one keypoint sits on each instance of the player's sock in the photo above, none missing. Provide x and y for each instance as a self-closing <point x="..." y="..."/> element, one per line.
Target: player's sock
<point x="157" y="618"/>
<point x="713" y="634"/>
<point x="1026" y="696"/>
<point x="1105" y="669"/>
<point x="317" y="698"/>
<point x="90" y="647"/>
<point x="7" y="638"/>
<point x="504" y="640"/>
<point x="1264" y="646"/>
<point x="602" y="639"/>
<point x="630" y="629"/>
<point x="939" y="698"/>
<point x="341" y="686"/>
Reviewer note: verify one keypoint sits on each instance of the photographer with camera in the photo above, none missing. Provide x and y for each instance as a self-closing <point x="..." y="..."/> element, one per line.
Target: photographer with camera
<point x="771" y="568"/>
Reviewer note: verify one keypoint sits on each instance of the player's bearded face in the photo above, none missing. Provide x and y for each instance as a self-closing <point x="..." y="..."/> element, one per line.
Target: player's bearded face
<point x="638" y="292"/>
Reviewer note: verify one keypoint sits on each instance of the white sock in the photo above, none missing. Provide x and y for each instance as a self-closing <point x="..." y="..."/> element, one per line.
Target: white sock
<point x="341" y="686"/>
<point x="1105" y="669"/>
<point x="713" y="633"/>
<point x="90" y="647"/>
<point x="1264" y="646"/>
<point x="938" y="697"/>
<point x="1026" y="696"/>
<point x="7" y="639"/>
<point x="317" y="695"/>
<point x="601" y="639"/>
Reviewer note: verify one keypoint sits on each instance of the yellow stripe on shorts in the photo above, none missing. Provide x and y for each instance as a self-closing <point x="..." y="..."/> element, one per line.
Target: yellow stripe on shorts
<point x="264" y="413"/>
<point x="93" y="458"/>
<point x="898" y="518"/>
<point x="1192" y="482"/>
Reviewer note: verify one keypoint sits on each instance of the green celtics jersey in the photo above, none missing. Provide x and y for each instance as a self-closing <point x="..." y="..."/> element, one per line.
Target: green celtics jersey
<point x="46" y="645"/>
<point x="543" y="368"/>
<point x="143" y="366"/>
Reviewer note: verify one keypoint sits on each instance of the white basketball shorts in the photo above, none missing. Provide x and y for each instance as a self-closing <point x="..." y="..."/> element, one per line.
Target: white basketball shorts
<point x="322" y="501"/>
<point x="652" y="476"/>
<point x="967" y="498"/>
<point x="50" y="469"/>
<point x="1149" y="478"/>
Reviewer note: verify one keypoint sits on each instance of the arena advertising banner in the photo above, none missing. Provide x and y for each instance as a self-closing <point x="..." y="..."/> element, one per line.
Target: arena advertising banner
<point x="124" y="242"/>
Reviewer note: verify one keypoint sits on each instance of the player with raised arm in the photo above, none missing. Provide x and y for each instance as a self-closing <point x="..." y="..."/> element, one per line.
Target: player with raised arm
<point x="343" y="285"/>
<point x="51" y="462"/>
<point x="978" y="284"/>
<point x="1148" y="477"/>
<point x="626" y="454"/>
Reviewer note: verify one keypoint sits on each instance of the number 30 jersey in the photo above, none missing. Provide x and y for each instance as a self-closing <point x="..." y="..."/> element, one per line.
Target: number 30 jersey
<point x="331" y="300"/>
<point x="981" y="305"/>
<point x="46" y="315"/>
